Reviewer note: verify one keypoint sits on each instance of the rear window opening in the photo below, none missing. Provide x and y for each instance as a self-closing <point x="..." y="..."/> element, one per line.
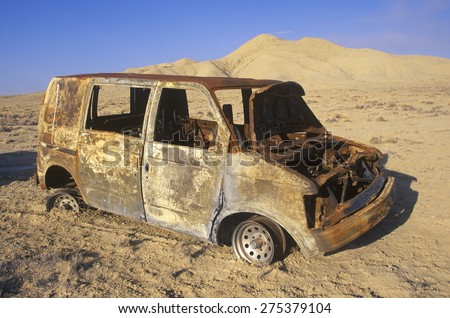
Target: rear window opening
<point x="118" y="108"/>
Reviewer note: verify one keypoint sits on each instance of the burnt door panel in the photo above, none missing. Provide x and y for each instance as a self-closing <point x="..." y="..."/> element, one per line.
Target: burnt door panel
<point x="110" y="147"/>
<point x="183" y="160"/>
<point x="109" y="172"/>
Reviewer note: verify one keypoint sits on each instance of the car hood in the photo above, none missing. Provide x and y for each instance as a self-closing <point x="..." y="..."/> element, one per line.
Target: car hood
<point x="280" y="108"/>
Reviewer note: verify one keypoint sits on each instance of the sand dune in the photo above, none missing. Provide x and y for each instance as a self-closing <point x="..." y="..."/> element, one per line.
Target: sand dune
<point x="184" y="67"/>
<point x="309" y="60"/>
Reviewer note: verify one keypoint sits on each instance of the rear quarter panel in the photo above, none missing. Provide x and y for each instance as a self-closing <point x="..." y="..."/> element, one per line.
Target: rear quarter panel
<point x="59" y="125"/>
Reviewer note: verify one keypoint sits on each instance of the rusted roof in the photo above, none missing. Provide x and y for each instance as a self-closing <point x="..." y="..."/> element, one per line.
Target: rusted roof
<point x="210" y="82"/>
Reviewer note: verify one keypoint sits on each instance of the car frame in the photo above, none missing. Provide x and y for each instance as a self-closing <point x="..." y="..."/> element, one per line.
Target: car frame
<point x="188" y="166"/>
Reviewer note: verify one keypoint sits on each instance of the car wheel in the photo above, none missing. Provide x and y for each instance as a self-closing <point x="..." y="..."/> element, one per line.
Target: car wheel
<point x="67" y="200"/>
<point x="259" y="241"/>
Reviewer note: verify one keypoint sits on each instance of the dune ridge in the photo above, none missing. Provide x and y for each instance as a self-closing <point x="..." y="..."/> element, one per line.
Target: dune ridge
<point x="310" y="60"/>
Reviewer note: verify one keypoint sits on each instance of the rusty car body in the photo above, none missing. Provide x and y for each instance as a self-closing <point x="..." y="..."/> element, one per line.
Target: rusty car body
<point x="170" y="150"/>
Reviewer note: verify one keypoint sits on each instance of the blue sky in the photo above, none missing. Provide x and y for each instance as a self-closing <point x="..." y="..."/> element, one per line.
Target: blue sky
<point x="42" y="39"/>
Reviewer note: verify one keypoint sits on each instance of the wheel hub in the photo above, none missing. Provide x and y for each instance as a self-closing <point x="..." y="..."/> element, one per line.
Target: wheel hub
<point x="66" y="202"/>
<point x="254" y="243"/>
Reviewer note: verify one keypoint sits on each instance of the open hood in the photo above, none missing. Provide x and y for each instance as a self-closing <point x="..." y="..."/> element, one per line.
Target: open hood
<point x="278" y="109"/>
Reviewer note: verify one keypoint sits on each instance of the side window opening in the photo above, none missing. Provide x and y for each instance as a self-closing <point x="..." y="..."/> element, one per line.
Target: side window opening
<point x="118" y="108"/>
<point x="184" y="118"/>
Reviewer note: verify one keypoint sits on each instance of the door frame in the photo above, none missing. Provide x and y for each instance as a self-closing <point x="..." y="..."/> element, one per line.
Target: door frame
<point x="166" y="216"/>
<point x="94" y="183"/>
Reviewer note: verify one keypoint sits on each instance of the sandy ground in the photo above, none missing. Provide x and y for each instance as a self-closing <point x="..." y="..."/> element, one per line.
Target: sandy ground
<point x="96" y="254"/>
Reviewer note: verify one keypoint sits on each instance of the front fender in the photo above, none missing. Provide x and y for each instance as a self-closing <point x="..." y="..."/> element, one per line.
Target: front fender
<point x="270" y="190"/>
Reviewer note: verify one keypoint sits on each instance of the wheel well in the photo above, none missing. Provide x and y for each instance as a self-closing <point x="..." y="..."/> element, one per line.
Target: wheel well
<point x="226" y="228"/>
<point x="58" y="177"/>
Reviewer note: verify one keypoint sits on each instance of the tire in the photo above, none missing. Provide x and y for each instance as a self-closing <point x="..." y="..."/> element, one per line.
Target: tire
<point x="66" y="200"/>
<point x="259" y="241"/>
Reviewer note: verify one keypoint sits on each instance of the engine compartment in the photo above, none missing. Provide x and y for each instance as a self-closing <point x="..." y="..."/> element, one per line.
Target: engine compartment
<point x="341" y="169"/>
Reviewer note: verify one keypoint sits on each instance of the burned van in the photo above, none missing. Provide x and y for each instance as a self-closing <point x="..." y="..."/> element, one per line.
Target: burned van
<point x="231" y="161"/>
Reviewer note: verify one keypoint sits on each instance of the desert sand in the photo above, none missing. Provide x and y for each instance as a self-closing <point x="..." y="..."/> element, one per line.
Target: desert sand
<point x="399" y="104"/>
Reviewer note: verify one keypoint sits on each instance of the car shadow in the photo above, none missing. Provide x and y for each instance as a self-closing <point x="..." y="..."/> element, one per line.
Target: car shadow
<point x="17" y="166"/>
<point x="400" y="212"/>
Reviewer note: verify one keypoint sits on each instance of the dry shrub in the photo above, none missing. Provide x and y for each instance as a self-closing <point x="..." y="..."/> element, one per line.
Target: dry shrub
<point x="382" y="140"/>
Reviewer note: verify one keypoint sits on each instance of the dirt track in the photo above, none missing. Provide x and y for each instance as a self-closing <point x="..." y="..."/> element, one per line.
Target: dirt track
<point x="96" y="254"/>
